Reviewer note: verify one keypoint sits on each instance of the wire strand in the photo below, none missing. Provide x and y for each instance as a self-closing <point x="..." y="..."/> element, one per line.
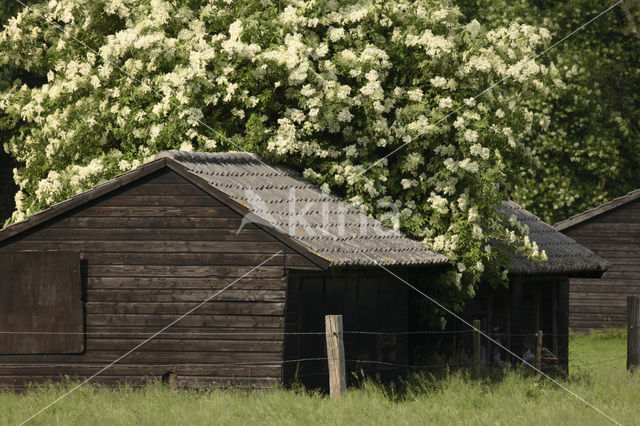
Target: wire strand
<point x="394" y="364"/>
<point x="234" y="333"/>
<point x="450" y="312"/>
<point x="212" y="364"/>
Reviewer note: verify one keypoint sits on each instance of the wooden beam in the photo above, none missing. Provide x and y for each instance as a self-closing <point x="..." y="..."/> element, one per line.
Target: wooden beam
<point x="536" y="302"/>
<point x="508" y="325"/>
<point x="476" y="349"/>
<point x="554" y="309"/>
<point x="335" y="355"/>
<point x="490" y="297"/>
<point x="516" y="316"/>
<point x="633" y="332"/>
<point x="538" y="352"/>
<point x="170" y="380"/>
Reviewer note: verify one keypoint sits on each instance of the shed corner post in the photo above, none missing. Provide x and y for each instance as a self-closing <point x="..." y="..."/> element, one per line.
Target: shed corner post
<point x="538" y="352"/>
<point x="477" y="367"/>
<point x="633" y="333"/>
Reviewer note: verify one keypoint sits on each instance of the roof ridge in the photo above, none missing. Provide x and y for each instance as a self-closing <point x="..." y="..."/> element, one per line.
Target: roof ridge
<point x="597" y="211"/>
<point x="526" y="212"/>
<point x="215" y="157"/>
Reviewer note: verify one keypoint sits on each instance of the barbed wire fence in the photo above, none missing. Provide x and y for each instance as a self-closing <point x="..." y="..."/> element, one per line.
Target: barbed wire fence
<point x="460" y="358"/>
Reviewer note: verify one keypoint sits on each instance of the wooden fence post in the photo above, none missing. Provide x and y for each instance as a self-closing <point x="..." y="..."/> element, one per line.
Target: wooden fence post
<point x="538" y="352"/>
<point x="335" y="355"/>
<point x="170" y="379"/>
<point x="476" y="349"/>
<point x="633" y="332"/>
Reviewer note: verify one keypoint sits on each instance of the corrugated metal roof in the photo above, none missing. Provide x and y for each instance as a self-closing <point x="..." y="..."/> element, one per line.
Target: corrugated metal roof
<point x="324" y="223"/>
<point x="565" y="255"/>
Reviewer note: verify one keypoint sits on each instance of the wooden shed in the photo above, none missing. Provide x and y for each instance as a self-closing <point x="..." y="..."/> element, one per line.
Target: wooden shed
<point x="537" y="297"/>
<point x="85" y="281"/>
<point x="612" y="231"/>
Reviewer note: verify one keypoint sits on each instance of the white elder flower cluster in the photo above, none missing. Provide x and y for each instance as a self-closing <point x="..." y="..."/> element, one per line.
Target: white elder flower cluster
<point x="327" y="87"/>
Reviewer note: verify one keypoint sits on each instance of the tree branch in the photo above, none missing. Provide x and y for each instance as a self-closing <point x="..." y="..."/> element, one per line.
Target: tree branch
<point x="632" y="24"/>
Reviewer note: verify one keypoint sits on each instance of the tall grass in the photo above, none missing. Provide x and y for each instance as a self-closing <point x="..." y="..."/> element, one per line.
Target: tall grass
<point x="451" y="398"/>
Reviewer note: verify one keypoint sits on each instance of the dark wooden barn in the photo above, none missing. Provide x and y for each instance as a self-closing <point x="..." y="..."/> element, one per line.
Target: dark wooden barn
<point x="537" y="297"/>
<point x="88" y="279"/>
<point x="612" y="231"/>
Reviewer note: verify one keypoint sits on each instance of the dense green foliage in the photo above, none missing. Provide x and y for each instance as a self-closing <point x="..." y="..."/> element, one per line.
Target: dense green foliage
<point x="597" y="373"/>
<point x="591" y="151"/>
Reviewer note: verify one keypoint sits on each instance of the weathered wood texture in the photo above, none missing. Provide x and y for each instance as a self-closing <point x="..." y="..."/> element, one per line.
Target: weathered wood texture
<point x="152" y="250"/>
<point x="614" y="236"/>
<point x="334" y="333"/>
<point x="633" y="333"/>
<point x="476" y="349"/>
<point x="170" y="380"/>
<point x="370" y="301"/>
<point x="529" y="304"/>
<point x="539" y="335"/>
<point x="41" y="292"/>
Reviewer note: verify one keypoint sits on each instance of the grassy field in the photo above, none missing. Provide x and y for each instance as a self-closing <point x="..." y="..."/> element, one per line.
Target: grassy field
<point x="597" y="368"/>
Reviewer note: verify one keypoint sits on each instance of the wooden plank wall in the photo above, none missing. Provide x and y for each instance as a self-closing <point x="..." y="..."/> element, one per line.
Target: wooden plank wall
<point x="614" y="236"/>
<point x="152" y="251"/>
<point x="41" y="291"/>
<point x="517" y="312"/>
<point x="538" y="312"/>
<point x="368" y="300"/>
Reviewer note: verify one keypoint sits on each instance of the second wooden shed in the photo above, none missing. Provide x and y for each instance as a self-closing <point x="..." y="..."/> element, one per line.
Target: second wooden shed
<point x="612" y="231"/>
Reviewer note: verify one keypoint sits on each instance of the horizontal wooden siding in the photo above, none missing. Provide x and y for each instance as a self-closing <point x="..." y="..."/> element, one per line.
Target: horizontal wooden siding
<point x="152" y="251"/>
<point x="614" y="236"/>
